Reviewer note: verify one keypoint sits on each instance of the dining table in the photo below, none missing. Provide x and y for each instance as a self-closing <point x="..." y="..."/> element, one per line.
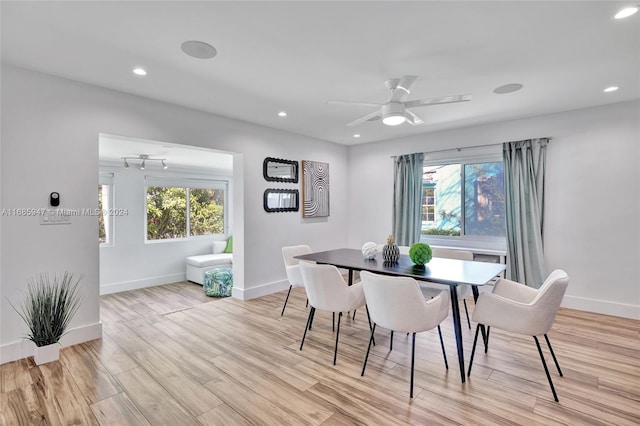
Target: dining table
<point x="450" y="272"/>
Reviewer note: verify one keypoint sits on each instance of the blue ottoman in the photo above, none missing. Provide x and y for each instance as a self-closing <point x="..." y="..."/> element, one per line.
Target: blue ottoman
<point x="218" y="282"/>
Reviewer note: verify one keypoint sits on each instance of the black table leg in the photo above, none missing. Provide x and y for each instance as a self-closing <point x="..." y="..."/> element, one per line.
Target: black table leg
<point x="455" y="311"/>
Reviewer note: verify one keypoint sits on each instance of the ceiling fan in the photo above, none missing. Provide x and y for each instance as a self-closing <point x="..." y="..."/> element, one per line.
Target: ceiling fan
<point x="396" y="110"/>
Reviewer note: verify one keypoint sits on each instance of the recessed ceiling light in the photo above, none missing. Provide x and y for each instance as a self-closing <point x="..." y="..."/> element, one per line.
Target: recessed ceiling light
<point x="356" y="135"/>
<point x="507" y="88"/>
<point x="611" y="89"/>
<point x="199" y="49"/>
<point x="282" y="114"/>
<point x="626" y="12"/>
<point x="139" y="71"/>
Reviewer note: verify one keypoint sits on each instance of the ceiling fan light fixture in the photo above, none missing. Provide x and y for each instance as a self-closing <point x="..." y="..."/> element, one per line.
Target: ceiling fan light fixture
<point x="393" y="114"/>
<point x="394" y="119"/>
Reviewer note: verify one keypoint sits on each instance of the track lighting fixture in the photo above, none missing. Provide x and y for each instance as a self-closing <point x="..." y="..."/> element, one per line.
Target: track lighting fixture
<point x="143" y="161"/>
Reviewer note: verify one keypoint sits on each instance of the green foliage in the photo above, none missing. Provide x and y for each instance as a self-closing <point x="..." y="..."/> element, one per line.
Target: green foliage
<point x="102" y="233"/>
<point x="206" y="212"/>
<point x="436" y="231"/>
<point x="49" y="306"/>
<point x="420" y="253"/>
<point x="167" y="212"/>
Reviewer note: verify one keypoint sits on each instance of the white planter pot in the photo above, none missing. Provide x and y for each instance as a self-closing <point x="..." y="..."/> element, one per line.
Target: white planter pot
<point x="48" y="353"/>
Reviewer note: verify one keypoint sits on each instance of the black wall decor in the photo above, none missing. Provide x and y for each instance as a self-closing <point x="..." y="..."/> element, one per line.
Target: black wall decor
<point x="279" y="170"/>
<point x="281" y="200"/>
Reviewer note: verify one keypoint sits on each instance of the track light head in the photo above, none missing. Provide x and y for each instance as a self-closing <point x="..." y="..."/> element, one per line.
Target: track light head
<point x="143" y="158"/>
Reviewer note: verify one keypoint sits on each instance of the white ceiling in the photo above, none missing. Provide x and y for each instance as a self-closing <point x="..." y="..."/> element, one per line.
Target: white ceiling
<point x="181" y="157"/>
<point x="294" y="56"/>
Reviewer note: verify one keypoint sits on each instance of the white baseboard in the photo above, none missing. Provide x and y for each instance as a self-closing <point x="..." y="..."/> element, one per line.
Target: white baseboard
<point x="25" y="348"/>
<point x="602" y="307"/>
<point x="143" y="283"/>
<point x="259" y="291"/>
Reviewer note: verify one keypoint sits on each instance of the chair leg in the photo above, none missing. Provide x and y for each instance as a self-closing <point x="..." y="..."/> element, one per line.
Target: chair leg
<point x="286" y="300"/>
<point x="335" y="352"/>
<point x="333" y="321"/>
<point x="366" y="357"/>
<point x="486" y="339"/>
<point x="546" y="370"/>
<point x="466" y="311"/>
<point x="307" y="326"/>
<point x="354" y="315"/>
<point x="369" y="319"/>
<point x="473" y="351"/>
<point x="444" y="353"/>
<point x="413" y="359"/>
<point x="553" y="355"/>
<point x="307" y="304"/>
<point x="391" y="342"/>
<point x="313" y="315"/>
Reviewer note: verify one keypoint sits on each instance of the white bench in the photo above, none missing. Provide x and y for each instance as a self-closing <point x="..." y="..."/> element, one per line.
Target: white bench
<point x="197" y="266"/>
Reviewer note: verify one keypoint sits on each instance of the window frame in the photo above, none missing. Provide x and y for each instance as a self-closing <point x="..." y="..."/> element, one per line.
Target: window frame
<point x="470" y="241"/>
<point x="187" y="183"/>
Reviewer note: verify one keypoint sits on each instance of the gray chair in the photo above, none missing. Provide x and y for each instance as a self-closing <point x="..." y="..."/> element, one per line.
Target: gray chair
<point x="517" y="308"/>
<point x="327" y="291"/>
<point x="463" y="291"/>
<point x="292" y="268"/>
<point x="397" y="304"/>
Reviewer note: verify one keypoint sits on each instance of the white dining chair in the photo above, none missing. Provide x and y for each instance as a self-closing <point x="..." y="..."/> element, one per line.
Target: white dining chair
<point x="516" y="308"/>
<point x="291" y="265"/>
<point x="397" y="304"/>
<point x="328" y="291"/>
<point x="463" y="290"/>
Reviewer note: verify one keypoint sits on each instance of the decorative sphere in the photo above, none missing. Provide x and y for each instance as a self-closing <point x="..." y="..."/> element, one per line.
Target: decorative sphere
<point x="370" y="250"/>
<point x="420" y="253"/>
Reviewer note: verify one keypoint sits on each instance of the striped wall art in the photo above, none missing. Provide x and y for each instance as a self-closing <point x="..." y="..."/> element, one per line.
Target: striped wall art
<point x="315" y="189"/>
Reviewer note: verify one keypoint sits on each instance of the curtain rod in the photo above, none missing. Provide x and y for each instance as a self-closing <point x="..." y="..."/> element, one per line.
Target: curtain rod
<point x="471" y="147"/>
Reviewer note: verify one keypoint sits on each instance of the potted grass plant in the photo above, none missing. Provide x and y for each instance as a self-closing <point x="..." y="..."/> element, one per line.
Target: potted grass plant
<point x="48" y="307"/>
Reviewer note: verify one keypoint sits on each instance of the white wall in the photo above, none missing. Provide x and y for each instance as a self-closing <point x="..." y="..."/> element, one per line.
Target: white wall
<point x="128" y="261"/>
<point x="50" y="129"/>
<point x="592" y="226"/>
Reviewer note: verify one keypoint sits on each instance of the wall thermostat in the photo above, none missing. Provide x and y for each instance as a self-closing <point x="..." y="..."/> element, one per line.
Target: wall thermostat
<point x="54" y="199"/>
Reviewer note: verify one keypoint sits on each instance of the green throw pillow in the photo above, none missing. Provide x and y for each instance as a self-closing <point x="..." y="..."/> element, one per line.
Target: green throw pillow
<point x="229" y="248"/>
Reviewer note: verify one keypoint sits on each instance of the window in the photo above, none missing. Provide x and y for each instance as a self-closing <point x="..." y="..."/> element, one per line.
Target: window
<point x="182" y="212"/>
<point x="463" y="199"/>
<point x="105" y="205"/>
<point x="428" y="204"/>
<point x="103" y="220"/>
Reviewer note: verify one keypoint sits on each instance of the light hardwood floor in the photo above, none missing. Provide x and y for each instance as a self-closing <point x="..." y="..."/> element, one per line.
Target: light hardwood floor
<point x="172" y="356"/>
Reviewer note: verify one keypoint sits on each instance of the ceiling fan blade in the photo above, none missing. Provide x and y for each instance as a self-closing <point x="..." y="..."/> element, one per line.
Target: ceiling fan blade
<point x="367" y="117"/>
<point x="407" y="81"/>
<point x="400" y="88"/>
<point x="353" y="103"/>
<point x="437" y="101"/>
<point x="413" y="119"/>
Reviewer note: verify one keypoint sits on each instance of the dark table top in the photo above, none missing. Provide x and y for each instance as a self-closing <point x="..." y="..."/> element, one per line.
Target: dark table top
<point x="438" y="270"/>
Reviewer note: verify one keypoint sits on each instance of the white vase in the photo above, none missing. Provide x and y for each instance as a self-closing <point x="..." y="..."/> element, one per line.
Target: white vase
<point x="48" y="353"/>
